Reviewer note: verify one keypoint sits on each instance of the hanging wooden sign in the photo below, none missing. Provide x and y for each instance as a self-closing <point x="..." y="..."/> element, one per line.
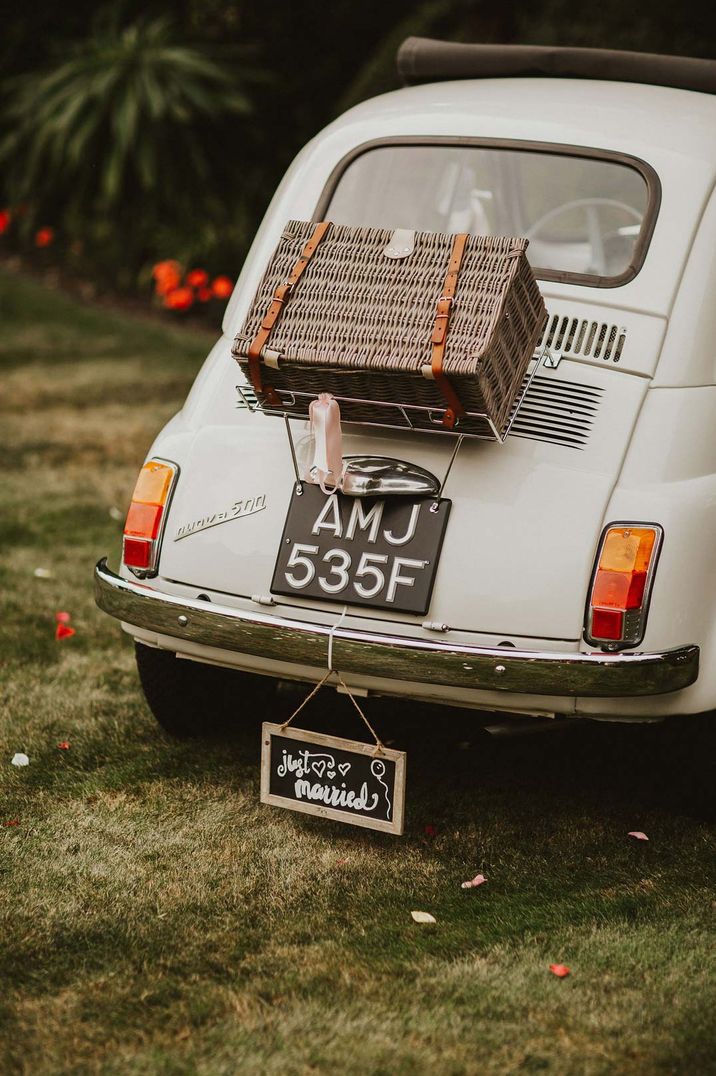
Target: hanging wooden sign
<point x="346" y="780"/>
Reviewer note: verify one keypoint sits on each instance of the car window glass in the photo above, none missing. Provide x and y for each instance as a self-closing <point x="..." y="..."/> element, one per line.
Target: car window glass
<point x="582" y="215"/>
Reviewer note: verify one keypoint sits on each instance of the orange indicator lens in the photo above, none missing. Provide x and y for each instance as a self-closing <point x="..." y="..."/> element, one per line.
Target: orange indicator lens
<point x="153" y="483"/>
<point x="627" y="549"/>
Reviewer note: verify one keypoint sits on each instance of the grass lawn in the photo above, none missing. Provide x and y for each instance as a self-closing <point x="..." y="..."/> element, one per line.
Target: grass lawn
<point x="157" y="919"/>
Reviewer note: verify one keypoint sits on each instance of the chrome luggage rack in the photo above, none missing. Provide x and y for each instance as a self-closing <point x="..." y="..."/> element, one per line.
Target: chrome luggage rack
<point x="476" y="424"/>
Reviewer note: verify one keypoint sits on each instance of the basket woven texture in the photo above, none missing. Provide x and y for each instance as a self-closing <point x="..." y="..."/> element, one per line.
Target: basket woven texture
<point x="359" y="324"/>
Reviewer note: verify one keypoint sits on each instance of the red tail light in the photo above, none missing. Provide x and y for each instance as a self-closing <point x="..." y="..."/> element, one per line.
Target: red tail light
<point x="621" y="584"/>
<point x="145" y="519"/>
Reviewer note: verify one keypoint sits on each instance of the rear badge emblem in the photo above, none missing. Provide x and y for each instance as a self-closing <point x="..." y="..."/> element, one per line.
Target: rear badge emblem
<point x="248" y="507"/>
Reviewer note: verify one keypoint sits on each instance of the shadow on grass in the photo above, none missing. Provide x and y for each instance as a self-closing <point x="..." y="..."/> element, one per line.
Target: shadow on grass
<point x="455" y="768"/>
<point x="575" y="764"/>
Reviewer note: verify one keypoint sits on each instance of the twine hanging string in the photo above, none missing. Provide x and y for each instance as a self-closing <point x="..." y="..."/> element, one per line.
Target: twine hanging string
<point x="334" y="672"/>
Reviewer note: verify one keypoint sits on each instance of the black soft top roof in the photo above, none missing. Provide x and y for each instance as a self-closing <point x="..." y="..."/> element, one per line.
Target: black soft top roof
<point x="421" y="59"/>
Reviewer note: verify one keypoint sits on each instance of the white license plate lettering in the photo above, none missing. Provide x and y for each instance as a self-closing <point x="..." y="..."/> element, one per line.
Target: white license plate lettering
<point x="368" y="569"/>
<point x="368" y="580"/>
<point x="400" y="564"/>
<point x="298" y="558"/>
<point x="340" y="562"/>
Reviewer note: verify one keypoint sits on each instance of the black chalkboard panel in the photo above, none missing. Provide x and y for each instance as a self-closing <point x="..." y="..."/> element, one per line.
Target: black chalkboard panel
<point x="334" y="778"/>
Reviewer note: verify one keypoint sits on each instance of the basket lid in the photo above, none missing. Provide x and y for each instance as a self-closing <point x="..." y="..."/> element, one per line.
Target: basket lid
<point x="355" y="307"/>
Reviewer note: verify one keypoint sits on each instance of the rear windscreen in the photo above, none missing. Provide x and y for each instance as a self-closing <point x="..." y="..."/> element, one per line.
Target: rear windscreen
<point x="583" y="216"/>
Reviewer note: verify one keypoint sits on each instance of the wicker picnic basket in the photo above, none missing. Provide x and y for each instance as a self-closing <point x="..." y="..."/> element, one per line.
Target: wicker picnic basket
<point x="440" y="337"/>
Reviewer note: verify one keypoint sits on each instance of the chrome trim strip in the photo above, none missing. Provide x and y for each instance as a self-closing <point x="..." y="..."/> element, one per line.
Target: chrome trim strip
<point x="393" y="657"/>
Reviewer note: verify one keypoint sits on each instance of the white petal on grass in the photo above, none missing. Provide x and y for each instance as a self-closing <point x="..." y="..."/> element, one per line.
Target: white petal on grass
<point x="43" y="573"/>
<point x="19" y="759"/>
<point x="423" y="917"/>
<point x="116" y="513"/>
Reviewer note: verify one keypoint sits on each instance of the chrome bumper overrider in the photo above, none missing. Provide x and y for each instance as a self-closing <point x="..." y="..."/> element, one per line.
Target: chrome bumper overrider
<point x="394" y="657"/>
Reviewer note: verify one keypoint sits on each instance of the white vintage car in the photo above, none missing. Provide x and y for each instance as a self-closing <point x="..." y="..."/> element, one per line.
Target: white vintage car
<point x="577" y="575"/>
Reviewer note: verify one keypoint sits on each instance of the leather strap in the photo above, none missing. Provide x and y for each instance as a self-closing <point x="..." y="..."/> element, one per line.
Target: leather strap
<point x="280" y="297"/>
<point x="440" y="331"/>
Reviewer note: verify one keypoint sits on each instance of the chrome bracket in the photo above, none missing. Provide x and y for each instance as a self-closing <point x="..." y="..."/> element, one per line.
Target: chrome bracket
<point x="298" y="488"/>
<point x="456" y="449"/>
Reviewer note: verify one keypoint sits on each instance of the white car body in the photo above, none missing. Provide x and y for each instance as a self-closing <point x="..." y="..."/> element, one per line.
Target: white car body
<point x="527" y="514"/>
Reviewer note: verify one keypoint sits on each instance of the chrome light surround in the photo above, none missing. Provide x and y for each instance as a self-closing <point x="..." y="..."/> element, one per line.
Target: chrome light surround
<point x="155" y="544"/>
<point x="634" y="624"/>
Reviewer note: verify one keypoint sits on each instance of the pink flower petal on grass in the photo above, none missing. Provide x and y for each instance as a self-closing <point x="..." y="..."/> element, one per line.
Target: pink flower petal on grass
<point x="479" y="879"/>
<point x="62" y="617"/>
<point x="638" y="835"/>
<point x="560" y="970"/>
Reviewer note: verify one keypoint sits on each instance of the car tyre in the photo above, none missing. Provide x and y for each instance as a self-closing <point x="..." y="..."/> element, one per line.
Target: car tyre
<point x="191" y="699"/>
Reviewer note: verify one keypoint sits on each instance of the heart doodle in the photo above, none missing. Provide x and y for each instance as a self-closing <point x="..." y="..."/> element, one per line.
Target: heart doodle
<point x="319" y="767"/>
<point x="344" y="768"/>
<point x="331" y="774"/>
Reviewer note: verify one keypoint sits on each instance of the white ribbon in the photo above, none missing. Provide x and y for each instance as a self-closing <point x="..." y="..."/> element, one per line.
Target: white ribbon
<point x="325" y="417"/>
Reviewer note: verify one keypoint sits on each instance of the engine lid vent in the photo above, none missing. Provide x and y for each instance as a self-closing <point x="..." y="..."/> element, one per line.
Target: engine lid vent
<point x="581" y="338"/>
<point x="561" y="412"/>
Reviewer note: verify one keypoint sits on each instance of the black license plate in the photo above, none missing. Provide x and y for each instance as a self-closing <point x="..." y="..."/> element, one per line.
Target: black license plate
<point x="377" y="551"/>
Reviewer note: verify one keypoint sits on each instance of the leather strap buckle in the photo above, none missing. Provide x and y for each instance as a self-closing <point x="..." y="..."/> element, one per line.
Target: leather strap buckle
<point x="278" y="299"/>
<point x="444" y="307"/>
<point x="282" y="292"/>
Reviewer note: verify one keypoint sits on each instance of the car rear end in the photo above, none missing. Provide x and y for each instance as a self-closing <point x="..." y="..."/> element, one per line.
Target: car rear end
<point x="554" y="586"/>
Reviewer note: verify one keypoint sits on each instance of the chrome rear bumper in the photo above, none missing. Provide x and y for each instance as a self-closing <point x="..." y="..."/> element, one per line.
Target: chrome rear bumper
<point x="394" y="657"/>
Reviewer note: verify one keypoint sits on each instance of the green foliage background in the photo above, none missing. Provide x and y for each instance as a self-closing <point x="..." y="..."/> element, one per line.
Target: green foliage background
<point x="149" y="130"/>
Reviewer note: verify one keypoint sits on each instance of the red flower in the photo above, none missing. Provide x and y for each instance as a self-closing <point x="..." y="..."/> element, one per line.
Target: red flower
<point x="5" y="219"/>
<point x="167" y="283"/>
<point x="204" y="294"/>
<point x="197" y="278"/>
<point x="560" y="970"/>
<point x="44" y="237"/>
<point x="222" y="287"/>
<point x="430" y="831"/>
<point x="179" y="299"/>
<point x="167" y="276"/>
<point x="64" y="745"/>
<point x="64" y="631"/>
<point x="168" y="267"/>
